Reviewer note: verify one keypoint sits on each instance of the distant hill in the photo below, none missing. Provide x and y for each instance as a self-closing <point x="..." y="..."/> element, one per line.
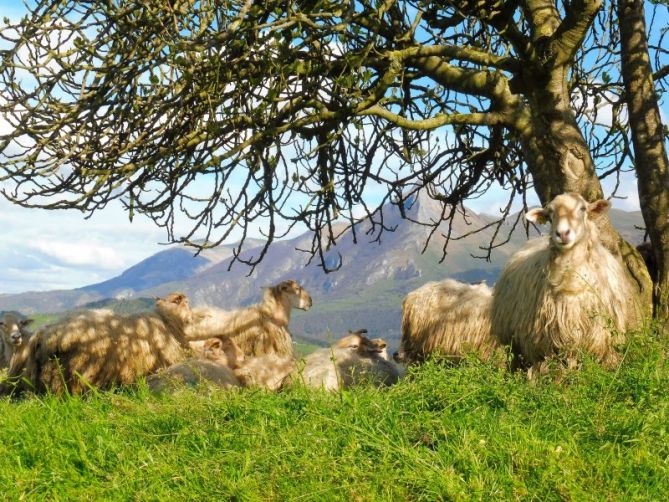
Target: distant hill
<point x="366" y="292"/>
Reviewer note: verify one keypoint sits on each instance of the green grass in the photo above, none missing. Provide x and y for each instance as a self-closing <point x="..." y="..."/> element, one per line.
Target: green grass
<point x="472" y="432"/>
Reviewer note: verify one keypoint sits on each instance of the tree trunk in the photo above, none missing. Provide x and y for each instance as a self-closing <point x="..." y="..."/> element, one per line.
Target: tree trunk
<point x="651" y="162"/>
<point x="559" y="161"/>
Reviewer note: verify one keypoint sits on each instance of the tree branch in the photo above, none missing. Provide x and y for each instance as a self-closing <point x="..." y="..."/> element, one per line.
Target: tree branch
<point x="573" y="29"/>
<point x="489" y="118"/>
<point x="472" y="55"/>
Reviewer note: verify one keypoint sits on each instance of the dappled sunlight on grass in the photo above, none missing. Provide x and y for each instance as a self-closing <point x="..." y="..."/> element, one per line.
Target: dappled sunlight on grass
<point x="468" y="431"/>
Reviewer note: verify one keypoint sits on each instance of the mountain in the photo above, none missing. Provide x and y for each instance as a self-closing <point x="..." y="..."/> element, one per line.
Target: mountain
<point x="174" y="264"/>
<point x="378" y="269"/>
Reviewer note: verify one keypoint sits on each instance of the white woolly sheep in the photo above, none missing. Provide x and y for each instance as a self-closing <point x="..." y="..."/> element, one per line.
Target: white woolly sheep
<point x="563" y="293"/>
<point x="350" y="361"/>
<point x="266" y="372"/>
<point x="449" y="318"/>
<point x="101" y="349"/>
<point x="258" y="329"/>
<point x="13" y="334"/>
<point x="220" y="359"/>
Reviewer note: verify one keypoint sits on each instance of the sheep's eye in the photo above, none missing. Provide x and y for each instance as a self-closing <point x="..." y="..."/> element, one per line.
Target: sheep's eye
<point x="354" y="346"/>
<point x="583" y="209"/>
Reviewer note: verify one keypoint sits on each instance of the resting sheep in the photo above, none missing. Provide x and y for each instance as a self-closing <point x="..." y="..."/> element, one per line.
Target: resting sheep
<point x="563" y="293"/>
<point x="350" y="361"/>
<point x="258" y="329"/>
<point x="449" y="318"/>
<point x="13" y="334"/>
<point x="101" y="349"/>
<point x="217" y="365"/>
<point x="266" y="372"/>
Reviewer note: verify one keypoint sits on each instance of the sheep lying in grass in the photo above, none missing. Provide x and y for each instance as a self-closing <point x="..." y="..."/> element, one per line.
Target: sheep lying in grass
<point x="350" y="361"/>
<point x="217" y="365"/>
<point x="449" y="318"/>
<point x="13" y="333"/>
<point x="101" y="349"/>
<point x="258" y="329"/>
<point x="564" y="293"/>
<point x="221" y="362"/>
<point x="266" y="372"/>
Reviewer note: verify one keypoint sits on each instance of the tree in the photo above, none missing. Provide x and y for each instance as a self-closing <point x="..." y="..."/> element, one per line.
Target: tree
<point x="303" y="107"/>
<point x="648" y="136"/>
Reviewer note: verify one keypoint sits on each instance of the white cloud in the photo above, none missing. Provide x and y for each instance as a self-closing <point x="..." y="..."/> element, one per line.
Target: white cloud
<point x="42" y="250"/>
<point x="81" y="254"/>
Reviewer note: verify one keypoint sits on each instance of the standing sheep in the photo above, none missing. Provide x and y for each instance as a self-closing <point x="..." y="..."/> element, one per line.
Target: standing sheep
<point x="13" y="334"/>
<point x="563" y="293"/>
<point x="449" y="318"/>
<point x="102" y="349"/>
<point x="258" y="329"/>
<point x="350" y="361"/>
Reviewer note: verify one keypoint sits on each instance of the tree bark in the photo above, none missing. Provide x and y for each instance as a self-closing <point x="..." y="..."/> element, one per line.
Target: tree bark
<point x="650" y="154"/>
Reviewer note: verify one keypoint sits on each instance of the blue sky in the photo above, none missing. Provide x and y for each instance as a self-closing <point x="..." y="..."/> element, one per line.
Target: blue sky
<point x="42" y="250"/>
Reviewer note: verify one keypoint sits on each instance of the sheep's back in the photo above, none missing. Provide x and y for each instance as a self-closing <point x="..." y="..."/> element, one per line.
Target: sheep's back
<point x="449" y="317"/>
<point x="193" y="372"/>
<point x="103" y="351"/>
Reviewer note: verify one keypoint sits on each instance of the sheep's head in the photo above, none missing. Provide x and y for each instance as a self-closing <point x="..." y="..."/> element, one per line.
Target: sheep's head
<point x="224" y="351"/>
<point x="175" y="306"/>
<point x="294" y="294"/>
<point x="568" y="215"/>
<point x="13" y="330"/>
<point x="363" y="346"/>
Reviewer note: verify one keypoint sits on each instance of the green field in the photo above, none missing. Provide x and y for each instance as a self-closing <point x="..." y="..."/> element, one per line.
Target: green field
<point x="474" y="432"/>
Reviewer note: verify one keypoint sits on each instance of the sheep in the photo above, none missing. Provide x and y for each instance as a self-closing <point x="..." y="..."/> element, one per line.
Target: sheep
<point x="375" y="345"/>
<point x="562" y="293"/>
<point x="101" y="349"/>
<point x="259" y="329"/>
<point x="13" y="334"/>
<point x="449" y="318"/>
<point x="266" y="372"/>
<point x="350" y="361"/>
<point x="217" y="365"/>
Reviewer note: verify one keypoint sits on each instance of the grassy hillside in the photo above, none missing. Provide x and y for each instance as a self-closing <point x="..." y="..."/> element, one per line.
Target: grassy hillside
<point x="473" y="432"/>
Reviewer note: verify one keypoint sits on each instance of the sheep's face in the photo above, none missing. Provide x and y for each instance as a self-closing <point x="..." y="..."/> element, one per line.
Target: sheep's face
<point x="363" y="346"/>
<point x="224" y="351"/>
<point x="296" y="294"/>
<point x="175" y="306"/>
<point x="13" y="329"/>
<point x="568" y="215"/>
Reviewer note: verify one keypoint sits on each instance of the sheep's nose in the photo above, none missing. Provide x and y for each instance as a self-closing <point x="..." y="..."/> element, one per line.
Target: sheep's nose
<point x="564" y="235"/>
<point x="16" y="337"/>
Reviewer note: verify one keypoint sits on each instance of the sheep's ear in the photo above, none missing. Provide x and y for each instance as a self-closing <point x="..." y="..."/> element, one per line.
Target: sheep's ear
<point x="213" y="343"/>
<point x="26" y="322"/>
<point x="599" y="207"/>
<point x="289" y="285"/>
<point x="178" y="298"/>
<point x="538" y="215"/>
